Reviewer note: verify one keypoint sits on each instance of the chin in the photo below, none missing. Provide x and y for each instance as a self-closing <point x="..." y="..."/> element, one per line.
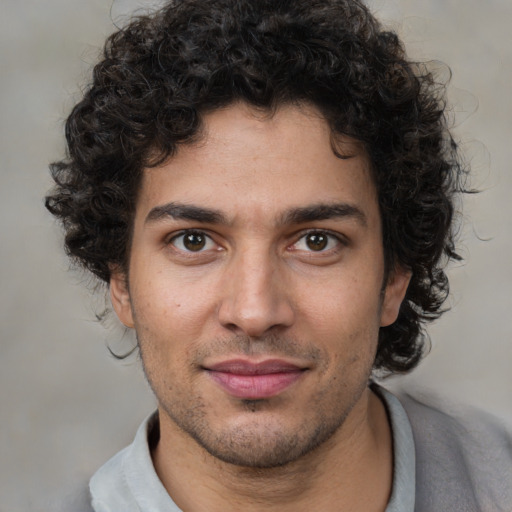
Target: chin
<point x="264" y="444"/>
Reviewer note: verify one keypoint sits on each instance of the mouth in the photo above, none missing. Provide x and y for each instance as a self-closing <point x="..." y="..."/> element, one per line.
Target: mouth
<point x="255" y="381"/>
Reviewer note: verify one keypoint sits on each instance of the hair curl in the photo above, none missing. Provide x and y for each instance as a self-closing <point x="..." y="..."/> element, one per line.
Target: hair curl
<point x="162" y="72"/>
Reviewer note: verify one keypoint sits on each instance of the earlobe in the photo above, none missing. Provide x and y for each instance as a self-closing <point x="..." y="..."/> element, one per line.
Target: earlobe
<point x="120" y="298"/>
<point x="394" y="294"/>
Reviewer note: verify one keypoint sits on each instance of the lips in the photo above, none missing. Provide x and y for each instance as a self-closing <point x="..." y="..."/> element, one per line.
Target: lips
<point x="253" y="381"/>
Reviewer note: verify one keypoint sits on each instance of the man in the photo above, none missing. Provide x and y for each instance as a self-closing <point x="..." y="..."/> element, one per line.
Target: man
<point x="267" y="188"/>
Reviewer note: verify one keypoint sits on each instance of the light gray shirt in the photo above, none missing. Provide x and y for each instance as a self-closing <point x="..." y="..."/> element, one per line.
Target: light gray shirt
<point x="128" y="482"/>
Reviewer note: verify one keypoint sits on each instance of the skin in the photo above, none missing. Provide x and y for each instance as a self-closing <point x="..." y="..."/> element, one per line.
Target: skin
<point x="283" y="260"/>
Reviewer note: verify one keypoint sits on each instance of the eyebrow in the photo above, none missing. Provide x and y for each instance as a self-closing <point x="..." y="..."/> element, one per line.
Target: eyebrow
<point x="179" y="211"/>
<point x="300" y="215"/>
<point x="323" y="211"/>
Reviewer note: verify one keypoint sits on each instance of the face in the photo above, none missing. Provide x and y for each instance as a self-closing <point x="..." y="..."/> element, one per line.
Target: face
<point x="256" y="284"/>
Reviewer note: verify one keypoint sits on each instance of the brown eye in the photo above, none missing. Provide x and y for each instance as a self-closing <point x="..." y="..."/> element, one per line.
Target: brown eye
<point x="317" y="241"/>
<point x="194" y="241"/>
<point x="321" y="242"/>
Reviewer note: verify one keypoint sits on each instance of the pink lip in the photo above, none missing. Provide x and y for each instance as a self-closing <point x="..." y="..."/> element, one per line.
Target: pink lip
<point x="253" y="381"/>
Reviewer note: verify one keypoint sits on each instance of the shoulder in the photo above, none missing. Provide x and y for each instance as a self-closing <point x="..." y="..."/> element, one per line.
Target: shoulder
<point x="108" y="485"/>
<point x="463" y="456"/>
<point x="128" y="481"/>
<point x="114" y="487"/>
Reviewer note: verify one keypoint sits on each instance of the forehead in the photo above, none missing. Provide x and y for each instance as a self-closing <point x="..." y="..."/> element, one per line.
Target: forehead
<point x="250" y="163"/>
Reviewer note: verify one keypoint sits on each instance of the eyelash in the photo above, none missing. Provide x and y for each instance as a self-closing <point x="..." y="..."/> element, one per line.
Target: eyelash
<point x="339" y="241"/>
<point x="190" y="232"/>
<point x="336" y="237"/>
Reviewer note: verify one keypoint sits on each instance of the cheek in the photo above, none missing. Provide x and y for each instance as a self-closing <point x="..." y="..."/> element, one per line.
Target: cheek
<point x="171" y="321"/>
<point x="347" y="305"/>
<point x="168" y="301"/>
<point x="345" y="320"/>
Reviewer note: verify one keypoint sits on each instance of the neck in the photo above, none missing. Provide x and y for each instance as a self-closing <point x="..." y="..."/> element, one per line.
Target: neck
<point x="350" y="471"/>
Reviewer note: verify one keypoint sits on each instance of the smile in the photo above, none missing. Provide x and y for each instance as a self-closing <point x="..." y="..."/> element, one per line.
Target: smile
<point x="250" y="381"/>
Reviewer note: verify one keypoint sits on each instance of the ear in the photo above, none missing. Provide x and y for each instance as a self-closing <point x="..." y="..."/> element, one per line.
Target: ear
<point x="120" y="297"/>
<point x="394" y="294"/>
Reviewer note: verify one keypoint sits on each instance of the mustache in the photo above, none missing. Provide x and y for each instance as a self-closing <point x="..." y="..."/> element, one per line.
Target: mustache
<point x="269" y="344"/>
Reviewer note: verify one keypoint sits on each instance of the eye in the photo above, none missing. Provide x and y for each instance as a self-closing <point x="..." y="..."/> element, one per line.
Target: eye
<point x="193" y="241"/>
<point x="317" y="241"/>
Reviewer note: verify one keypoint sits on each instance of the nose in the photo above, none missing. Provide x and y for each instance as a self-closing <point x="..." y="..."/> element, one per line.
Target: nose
<point x="255" y="299"/>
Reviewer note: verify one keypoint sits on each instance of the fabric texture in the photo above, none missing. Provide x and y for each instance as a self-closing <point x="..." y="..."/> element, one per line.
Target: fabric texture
<point x="463" y="459"/>
<point x="441" y="463"/>
<point x="404" y="456"/>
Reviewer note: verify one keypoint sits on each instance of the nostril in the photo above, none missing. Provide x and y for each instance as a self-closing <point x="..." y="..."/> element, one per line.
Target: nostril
<point x="257" y="321"/>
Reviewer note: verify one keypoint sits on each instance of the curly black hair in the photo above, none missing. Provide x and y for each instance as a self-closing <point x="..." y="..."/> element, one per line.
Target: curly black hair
<point x="162" y="72"/>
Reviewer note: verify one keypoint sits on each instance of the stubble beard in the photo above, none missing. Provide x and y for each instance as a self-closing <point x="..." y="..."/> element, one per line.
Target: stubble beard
<point x="260" y="445"/>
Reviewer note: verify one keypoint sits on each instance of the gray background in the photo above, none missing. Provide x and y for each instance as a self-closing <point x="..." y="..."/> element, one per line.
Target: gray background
<point x="65" y="404"/>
